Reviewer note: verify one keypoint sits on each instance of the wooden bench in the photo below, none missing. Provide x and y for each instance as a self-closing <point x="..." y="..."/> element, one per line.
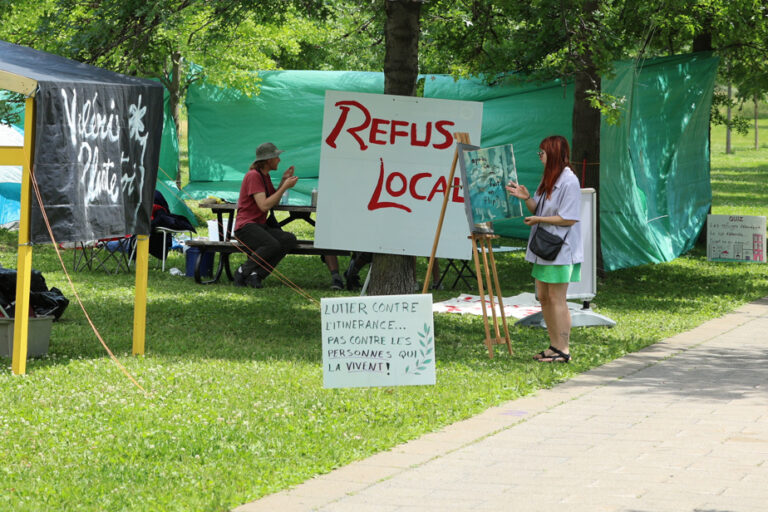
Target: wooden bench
<point x="224" y="249"/>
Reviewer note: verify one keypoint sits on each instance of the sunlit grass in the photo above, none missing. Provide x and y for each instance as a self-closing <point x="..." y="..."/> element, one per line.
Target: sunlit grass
<point x="740" y="180"/>
<point x="236" y="408"/>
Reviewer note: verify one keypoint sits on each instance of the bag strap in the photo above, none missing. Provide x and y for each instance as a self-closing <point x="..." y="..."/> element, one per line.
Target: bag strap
<point x="541" y="200"/>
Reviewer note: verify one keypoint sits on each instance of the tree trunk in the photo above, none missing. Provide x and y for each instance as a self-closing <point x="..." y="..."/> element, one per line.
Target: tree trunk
<point x="702" y="42"/>
<point x="174" y="93"/>
<point x="401" y="60"/>
<point x="728" y="115"/>
<point x="585" y="151"/>
<point x="757" y="104"/>
<point x="393" y="274"/>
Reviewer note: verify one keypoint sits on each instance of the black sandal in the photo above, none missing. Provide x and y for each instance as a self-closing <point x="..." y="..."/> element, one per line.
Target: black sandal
<point x="558" y="357"/>
<point x="544" y="354"/>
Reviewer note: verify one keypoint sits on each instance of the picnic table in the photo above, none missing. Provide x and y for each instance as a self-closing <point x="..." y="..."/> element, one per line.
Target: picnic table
<point x="227" y="244"/>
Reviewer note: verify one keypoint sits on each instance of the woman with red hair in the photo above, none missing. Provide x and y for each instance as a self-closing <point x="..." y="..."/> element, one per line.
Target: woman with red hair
<point x="556" y="208"/>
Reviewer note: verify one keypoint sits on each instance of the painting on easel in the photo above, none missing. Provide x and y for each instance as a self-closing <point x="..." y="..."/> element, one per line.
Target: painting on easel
<point x="484" y="173"/>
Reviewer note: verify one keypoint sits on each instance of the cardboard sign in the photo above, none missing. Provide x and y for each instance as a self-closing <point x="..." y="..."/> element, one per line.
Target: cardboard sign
<point x="378" y="341"/>
<point x="736" y="238"/>
<point x="384" y="166"/>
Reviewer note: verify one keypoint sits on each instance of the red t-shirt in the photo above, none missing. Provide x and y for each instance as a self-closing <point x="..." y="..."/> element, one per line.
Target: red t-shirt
<point x="248" y="211"/>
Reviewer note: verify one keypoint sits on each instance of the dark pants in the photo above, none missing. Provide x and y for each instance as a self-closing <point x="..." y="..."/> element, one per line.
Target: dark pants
<point x="265" y="244"/>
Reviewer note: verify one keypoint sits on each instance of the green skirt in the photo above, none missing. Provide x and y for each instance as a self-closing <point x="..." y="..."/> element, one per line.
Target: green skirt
<point x="557" y="273"/>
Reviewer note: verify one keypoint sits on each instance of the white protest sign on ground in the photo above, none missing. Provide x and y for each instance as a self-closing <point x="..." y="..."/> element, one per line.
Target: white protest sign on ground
<point x="378" y="341"/>
<point x="518" y="306"/>
<point x="384" y="167"/>
<point x="736" y="238"/>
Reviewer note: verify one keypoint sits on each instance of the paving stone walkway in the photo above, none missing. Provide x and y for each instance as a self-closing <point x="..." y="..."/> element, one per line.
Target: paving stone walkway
<point x="679" y="426"/>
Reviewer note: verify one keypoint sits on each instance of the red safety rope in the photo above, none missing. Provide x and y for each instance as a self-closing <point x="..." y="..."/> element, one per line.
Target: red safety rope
<point x="74" y="291"/>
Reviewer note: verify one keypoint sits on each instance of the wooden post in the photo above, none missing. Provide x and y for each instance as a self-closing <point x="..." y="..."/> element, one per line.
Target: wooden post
<point x="462" y="137"/>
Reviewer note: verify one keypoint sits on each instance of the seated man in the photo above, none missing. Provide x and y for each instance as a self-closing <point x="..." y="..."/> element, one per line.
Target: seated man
<point x="256" y="226"/>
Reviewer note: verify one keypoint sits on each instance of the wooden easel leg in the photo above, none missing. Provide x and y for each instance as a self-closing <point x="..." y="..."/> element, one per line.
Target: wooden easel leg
<point x="479" y="274"/>
<point x="501" y="303"/>
<point x="485" y="244"/>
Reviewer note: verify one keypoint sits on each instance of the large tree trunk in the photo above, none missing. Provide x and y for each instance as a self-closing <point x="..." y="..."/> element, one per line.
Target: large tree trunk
<point x="392" y="274"/>
<point x="585" y="153"/>
<point x="401" y="61"/>
<point x="702" y="42"/>
<point x="174" y="93"/>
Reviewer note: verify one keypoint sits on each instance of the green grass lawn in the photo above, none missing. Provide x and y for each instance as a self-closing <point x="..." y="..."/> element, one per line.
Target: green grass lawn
<point x="235" y="406"/>
<point x="740" y="180"/>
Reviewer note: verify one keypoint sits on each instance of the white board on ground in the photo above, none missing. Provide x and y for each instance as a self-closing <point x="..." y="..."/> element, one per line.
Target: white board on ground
<point x="586" y="289"/>
<point x="383" y="340"/>
<point x="736" y="238"/>
<point x="384" y="168"/>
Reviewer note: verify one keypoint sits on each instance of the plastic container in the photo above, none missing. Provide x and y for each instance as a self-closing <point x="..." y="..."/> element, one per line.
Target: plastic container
<point x="38" y="336"/>
<point x="213" y="229"/>
<point x="206" y="264"/>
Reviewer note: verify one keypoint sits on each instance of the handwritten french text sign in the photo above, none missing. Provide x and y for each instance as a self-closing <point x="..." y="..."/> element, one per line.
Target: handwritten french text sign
<point x="96" y="154"/>
<point x="383" y="340"/>
<point x="384" y="168"/>
<point x="736" y="238"/>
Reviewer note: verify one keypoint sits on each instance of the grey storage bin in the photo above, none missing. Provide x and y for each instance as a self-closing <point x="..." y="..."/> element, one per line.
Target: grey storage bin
<point x="37" y="341"/>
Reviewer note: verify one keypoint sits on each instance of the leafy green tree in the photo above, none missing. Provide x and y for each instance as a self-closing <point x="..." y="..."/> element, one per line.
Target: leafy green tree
<point x="577" y="40"/>
<point x="181" y="41"/>
<point x="574" y="40"/>
<point x="17" y="22"/>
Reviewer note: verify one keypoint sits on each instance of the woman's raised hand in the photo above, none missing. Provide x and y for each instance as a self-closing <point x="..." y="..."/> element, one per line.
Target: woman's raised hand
<point x="518" y="190"/>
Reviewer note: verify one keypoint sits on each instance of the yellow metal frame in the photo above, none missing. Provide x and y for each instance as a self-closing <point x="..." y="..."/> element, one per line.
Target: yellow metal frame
<point x="24" y="157"/>
<point x="140" y="301"/>
<point x="24" y="254"/>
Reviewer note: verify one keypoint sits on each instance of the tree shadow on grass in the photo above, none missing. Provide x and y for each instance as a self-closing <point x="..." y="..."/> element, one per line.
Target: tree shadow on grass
<point x="675" y="288"/>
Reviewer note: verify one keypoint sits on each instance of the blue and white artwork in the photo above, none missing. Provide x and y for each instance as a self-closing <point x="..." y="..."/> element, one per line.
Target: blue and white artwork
<point x="484" y="173"/>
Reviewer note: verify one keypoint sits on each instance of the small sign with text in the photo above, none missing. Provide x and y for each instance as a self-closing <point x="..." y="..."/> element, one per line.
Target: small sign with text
<point x="736" y="238"/>
<point x="378" y="341"/>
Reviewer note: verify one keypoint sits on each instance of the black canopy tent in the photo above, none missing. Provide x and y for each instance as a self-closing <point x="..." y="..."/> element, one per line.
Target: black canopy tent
<point x="92" y="139"/>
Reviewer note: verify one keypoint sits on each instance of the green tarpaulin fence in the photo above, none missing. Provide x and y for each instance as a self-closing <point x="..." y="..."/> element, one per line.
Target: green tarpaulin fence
<point x="654" y="166"/>
<point x="655" y="175"/>
<point x="225" y="127"/>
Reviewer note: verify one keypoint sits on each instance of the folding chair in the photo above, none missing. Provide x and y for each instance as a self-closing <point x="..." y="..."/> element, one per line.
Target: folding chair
<point x="164" y="224"/>
<point x="82" y="255"/>
<point x="112" y="255"/>
<point x="167" y="233"/>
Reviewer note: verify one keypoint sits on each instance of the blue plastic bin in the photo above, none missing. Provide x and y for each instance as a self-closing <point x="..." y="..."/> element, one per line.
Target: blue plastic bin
<point x="206" y="264"/>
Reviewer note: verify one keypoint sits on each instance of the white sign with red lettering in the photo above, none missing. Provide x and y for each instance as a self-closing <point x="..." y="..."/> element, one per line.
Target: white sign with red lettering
<point x="384" y="168"/>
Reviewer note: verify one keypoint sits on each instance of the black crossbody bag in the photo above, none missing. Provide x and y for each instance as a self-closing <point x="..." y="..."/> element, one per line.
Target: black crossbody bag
<point x="544" y="244"/>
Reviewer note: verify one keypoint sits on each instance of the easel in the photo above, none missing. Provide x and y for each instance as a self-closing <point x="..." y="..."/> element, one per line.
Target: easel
<point x="485" y="272"/>
<point x="485" y="269"/>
